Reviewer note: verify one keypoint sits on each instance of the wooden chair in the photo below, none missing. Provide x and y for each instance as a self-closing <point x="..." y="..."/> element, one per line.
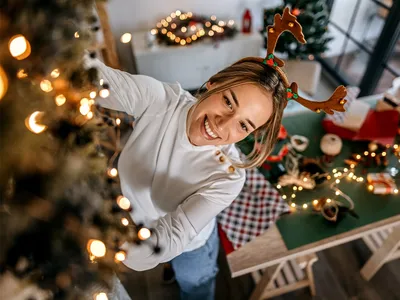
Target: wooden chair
<point x="285" y="277"/>
<point x="385" y="246"/>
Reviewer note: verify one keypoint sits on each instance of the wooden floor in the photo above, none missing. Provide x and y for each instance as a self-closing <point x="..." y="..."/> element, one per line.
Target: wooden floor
<point x="337" y="277"/>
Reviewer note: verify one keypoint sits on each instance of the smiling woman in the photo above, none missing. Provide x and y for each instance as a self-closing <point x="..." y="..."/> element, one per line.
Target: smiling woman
<point x="247" y="97"/>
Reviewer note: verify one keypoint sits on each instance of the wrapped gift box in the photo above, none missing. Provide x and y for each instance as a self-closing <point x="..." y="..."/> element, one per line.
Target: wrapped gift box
<point x="381" y="183"/>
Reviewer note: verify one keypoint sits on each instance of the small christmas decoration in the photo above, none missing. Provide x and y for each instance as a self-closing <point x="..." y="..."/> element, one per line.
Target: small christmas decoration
<point x="381" y="183"/>
<point x="180" y="28"/>
<point x="331" y="145"/>
<point x="247" y="22"/>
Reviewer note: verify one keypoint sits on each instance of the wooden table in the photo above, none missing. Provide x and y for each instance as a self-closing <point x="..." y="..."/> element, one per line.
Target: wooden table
<point x="313" y="233"/>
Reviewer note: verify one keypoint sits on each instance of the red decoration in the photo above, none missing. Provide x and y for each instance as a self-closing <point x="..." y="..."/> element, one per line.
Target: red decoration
<point x="289" y="95"/>
<point x="295" y="12"/>
<point x="246" y="28"/>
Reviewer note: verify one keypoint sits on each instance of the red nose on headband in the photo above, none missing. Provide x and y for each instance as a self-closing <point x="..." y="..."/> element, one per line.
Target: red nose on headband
<point x="288" y="22"/>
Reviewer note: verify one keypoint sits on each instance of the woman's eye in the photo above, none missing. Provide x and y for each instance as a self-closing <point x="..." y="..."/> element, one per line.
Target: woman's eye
<point x="244" y="127"/>
<point x="228" y="102"/>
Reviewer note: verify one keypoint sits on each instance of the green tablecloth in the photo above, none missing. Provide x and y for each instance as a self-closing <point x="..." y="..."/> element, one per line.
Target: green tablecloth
<point x="301" y="228"/>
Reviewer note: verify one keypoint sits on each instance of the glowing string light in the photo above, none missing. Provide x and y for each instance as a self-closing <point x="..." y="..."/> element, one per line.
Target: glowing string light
<point x="123" y="202"/>
<point x="3" y="83"/>
<point x="19" y="47"/>
<point x="32" y="122"/>
<point x="96" y="248"/>
<point x="144" y="233"/>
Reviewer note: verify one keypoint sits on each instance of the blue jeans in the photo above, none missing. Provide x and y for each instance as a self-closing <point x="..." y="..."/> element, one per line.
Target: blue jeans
<point x="196" y="270"/>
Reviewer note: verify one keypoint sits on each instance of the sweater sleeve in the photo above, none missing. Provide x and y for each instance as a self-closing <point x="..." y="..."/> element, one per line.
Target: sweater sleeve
<point x="175" y="230"/>
<point x="133" y="94"/>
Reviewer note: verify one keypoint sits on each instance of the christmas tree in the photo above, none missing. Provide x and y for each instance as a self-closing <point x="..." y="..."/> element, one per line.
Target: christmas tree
<point x="63" y="219"/>
<point x="313" y="17"/>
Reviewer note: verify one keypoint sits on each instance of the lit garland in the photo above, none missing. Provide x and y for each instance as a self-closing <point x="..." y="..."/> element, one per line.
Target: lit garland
<point x="376" y="155"/>
<point x="181" y="28"/>
<point x="338" y="174"/>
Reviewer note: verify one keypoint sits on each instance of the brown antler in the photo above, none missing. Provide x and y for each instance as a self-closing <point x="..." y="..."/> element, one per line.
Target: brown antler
<point x="335" y="102"/>
<point x="287" y="22"/>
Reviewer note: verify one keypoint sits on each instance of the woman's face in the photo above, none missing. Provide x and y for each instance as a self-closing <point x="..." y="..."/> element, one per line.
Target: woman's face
<point x="229" y="116"/>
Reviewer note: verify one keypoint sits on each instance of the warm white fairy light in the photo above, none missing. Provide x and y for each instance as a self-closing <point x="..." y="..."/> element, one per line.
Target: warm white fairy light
<point x="101" y="81"/>
<point x="76" y="34"/>
<point x="294" y="188"/>
<point x="183" y="42"/>
<point x="113" y="172"/>
<point x="164" y="31"/>
<point x="284" y="197"/>
<point x="173" y="15"/>
<point x="337" y="193"/>
<point x="213" y="18"/>
<point x="144" y="233"/>
<point x="84" y="109"/>
<point x="120" y="256"/>
<point x="221" y="23"/>
<point x="55" y="73"/>
<point x="370" y="187"/>
<point x="183" y="29"/>
<point x="125" y="221"/>
<point x="169" y="19"/>
<point x="89" y="115"/>
<point x="383" y="153"/>
<point x="395" y="146"/>
<point x="126" y="38"/>
<point x="352" y="166"/>
<point x="101" y="296"/>
<point x="395" y="191"/>
<point x="337" y="181"/>
<point x="21" y="74"/>
<point x="345" y="170"/>
<point x="96" y="248"/>
<point x="354" y="177"/>
<point x="123" y="202"/>
<point x="104" y="93"/>
<point x="373" y="154"/>
<point x="211" y="33"/>
<point x="305" y="206"/>
<point x="305" y="179"/>
<point x="173" y="25"/>
<point x="3" y="83"/>
<point x="293" y="205"/>
<point x="118" y="121"/>
<point x="300" y="188"/>
<point x="32" y="122"/>
<point x="328" y="200"/>
<point x="19" y="47"/>
<point x="189" y="14"/>
<point x="366" y="153"/>
<point x="231" y="22"/>
<point x="334" y="171"/>
<point x="92" y="94"/>
<point x="154" y="31"/>
<point x="315" y="202"/>
<point x="46" y="86"/>
<point x="293" y="196"/>
<point x="278" y="186"/>
<point x="360" y="179"/>
<point x="60" y="100"/>
<point x="178" y="13"/>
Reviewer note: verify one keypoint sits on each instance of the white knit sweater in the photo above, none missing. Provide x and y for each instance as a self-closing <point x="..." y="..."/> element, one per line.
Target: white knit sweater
<point x="174" y="187"/>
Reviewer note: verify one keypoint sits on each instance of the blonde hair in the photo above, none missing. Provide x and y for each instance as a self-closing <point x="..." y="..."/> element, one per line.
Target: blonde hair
<point x="252" y="70"/>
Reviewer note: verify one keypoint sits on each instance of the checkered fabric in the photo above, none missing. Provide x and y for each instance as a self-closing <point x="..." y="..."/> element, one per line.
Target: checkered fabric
<point x="338" y="117"/>
<point x="257" y="207"/>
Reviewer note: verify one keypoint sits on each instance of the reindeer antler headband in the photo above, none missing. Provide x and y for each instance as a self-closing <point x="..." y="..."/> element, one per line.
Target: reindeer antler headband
<point x="288" y="22"/>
